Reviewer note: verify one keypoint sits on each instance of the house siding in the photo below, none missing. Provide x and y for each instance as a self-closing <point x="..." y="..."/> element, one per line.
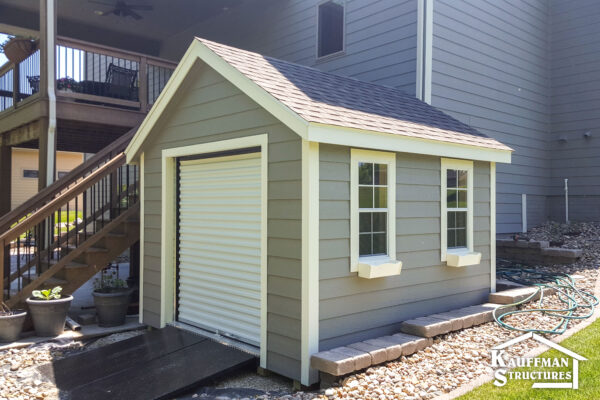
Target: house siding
<point x="380" y="47"/>
<point x="353" y="309"/>
<point x="490" y="70"/>
<point x="575" y="72"/>
<point x="211" y="109"/>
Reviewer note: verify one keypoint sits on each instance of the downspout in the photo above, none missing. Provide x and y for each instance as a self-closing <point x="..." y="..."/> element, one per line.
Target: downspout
<point x="424" y="50"/>
<point x="51" y="52"/>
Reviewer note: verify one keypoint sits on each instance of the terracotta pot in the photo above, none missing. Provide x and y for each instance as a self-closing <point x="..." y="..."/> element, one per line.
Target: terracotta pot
<point x="16" y="50"/>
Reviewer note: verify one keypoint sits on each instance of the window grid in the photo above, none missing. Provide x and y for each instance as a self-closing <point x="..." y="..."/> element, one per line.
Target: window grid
<point x="456" y="216"/>
<point x="377" y="229"/>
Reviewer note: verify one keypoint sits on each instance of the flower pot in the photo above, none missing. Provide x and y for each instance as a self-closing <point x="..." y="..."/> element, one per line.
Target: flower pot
<point x="11" y="326"/>
<point x="16" y="50"/>
<point x="112" y="307"/>
<point x="49" y="316"/>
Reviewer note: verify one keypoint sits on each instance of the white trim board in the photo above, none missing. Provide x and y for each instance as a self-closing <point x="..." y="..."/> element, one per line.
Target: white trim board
<point x="310" y="261"/>
<point x="313" y="132"/>
<point x="492" y="227"/>
<point x="169" y="235"/>
<point x="142" y="236"/>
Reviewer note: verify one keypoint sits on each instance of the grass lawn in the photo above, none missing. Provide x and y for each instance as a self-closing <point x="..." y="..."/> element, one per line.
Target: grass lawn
<point x="585" y="343"/>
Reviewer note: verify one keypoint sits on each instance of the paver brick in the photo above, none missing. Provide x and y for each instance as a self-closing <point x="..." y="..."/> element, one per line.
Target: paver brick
<point x="426" y="327"/>
<point x="332" y="362"/>
<point x="393" y="351"/>
<point x="362" y="359"/>
<point x="378" y="353"/>
<point x="420" y="342"/>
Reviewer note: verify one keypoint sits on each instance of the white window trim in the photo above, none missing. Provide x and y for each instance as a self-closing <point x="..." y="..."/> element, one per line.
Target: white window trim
<point x="343" y="50"/>
<point x="378" y="157"/>
<point x="446" y="164"/>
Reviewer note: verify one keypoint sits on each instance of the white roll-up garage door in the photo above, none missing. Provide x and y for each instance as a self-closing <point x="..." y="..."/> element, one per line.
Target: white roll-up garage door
<point x="219" y="245"/>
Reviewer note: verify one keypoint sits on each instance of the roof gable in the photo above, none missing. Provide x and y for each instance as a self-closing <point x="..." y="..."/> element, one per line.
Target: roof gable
<point x="319" y="106"/>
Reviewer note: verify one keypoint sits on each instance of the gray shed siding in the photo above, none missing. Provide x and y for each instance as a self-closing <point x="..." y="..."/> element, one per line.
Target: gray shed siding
<point x="212" y="109"/>
<point x="575" y="71"/>
<point x="490" y="70"/>
<point x="353" y="309"/>
<point x="381" y="37"/>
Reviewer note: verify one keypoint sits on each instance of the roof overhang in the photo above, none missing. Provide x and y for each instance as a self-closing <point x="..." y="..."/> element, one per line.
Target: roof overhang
<point x="310" y="131"/>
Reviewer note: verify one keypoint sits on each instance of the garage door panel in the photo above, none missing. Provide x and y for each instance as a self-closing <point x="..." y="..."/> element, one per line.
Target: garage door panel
<point x="220" y="245"/>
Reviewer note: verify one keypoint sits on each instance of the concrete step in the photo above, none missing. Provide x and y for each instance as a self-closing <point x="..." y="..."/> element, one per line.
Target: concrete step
<point x="361" y="355"/>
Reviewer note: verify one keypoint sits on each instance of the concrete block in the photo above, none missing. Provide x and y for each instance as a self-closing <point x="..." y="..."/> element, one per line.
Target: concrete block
<point x="511" y="295"/>
<point x="378" y="353"/>
<point x="408" y="345"/>
<point x="426" y="327"/>
<point x="332" y="362"/>
<point x="393" y="351"/>
<point x="420" y="342"/>
<point x="564" y="253"/>
<point x="362" y="359"/>
<point x="456" y="321"/>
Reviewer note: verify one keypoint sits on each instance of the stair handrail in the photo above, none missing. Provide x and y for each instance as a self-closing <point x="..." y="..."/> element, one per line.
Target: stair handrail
<point x="58" y="202"/>
<point x="25" y="210"/>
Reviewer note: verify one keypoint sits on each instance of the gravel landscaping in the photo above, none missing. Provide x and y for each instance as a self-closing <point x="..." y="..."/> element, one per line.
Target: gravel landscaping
<point x="19" y="379"/>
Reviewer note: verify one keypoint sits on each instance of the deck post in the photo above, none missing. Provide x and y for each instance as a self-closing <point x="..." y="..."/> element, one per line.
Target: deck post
<point x="5" y="178"/>
<point x="16" y="84"/>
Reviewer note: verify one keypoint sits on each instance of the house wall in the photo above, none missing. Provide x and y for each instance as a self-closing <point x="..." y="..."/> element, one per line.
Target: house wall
<point x="353" y="309"/>
<point x="211" y="109"/>
<point x="381" y="37"/>
<point x="25" y="188"/>
<point x="491" y="71"/>
<point x="575" y="73"/>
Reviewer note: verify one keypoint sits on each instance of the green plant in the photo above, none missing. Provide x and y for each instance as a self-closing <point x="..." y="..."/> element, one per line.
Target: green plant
<point x="109" y="282"/>
<point x="48" y="294"/>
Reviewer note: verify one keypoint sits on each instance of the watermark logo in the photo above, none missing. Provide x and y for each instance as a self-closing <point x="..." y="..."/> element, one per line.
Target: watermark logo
<point x="503" y="364"/>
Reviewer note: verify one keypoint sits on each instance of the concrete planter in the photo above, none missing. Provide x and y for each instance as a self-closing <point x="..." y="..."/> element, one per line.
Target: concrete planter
<point x="112" y="307"/>
<point x="11" y="326"/>
<point x="49" y="316"/>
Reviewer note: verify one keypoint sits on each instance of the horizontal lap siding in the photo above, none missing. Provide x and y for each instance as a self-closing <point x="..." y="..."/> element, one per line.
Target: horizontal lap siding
<point x="381" y="37"/>
<point x="353" y="308"/>
<point x="211" y="109"/>
<point x="575" y="108"/>
<point x="490" y="70"/>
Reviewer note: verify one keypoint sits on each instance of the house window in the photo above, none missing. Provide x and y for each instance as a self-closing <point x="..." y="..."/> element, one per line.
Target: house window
<point x="457" y="207"/>
<point x="62" y="174"/>
<point x="373" y="199"/>
<point x="330" y="28"/>
<point x="30" y="173"/>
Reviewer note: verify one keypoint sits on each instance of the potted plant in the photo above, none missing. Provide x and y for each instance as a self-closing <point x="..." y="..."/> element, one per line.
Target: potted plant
<point x="48" y="310"/>
<point x="67" y="84"/>
<point x="111" y="298"/>
<point x="17" y="49"/>
<point x="11" y="323"/>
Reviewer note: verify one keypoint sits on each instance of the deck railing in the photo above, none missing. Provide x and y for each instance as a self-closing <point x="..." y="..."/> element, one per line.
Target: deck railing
<point x="90" y="73"/>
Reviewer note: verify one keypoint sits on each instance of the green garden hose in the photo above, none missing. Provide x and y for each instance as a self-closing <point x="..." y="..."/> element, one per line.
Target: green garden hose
<point x="564" y="286"/>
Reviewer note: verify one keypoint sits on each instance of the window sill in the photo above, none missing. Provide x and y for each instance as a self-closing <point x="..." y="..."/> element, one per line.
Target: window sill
<point x="462" y="258"/>
<point x="378" y="267"/>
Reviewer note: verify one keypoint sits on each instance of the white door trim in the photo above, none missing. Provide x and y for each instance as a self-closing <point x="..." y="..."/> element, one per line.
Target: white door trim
<point x="169" y="215"/>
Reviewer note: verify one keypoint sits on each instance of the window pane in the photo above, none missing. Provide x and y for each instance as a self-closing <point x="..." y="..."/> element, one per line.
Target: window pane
<point x="365" y="222"/>
<point x="365" y="244"/>
<point x="451" y="219"/>
<point x="462" y="199"/>
<point x="451" y="199"/>
<point x="365" y="174"/>
<point x="451" y="238"/>
<point x="331" y="28"/>
<point x="461" y="219"/>
<point x="381" y="174"/>
<point x="380" y="197"/>
<point x="451" y="182"/>
<point x="379" y="222"/>
<point x="462" y="179"/>
<point x="365" y="197"/>
<point x="380" y="243"/>
<point x="461" y="238"/>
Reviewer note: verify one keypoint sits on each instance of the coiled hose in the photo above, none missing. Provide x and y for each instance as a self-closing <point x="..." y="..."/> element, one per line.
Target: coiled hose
<point x="564" y="286"/>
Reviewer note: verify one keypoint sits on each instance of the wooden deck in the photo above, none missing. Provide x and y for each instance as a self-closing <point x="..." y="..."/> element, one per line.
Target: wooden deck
<point x="155" y="365"/>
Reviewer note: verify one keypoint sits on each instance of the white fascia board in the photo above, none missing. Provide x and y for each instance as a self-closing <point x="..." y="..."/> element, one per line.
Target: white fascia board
<point x="199" y="51"/>
<point x="332" y="134"/>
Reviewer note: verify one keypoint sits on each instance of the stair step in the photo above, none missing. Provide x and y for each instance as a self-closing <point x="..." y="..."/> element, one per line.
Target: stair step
<point x="95" y="250"/>
<point x="52" y="281"/>
<point x="71" y="265"/>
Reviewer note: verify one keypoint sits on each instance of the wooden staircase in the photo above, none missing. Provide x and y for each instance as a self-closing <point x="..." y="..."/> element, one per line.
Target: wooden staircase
<point x="72" y="229"/>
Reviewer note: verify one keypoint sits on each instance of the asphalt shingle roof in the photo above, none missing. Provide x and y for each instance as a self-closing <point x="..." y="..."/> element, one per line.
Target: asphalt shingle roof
<point x="331" y="99"/>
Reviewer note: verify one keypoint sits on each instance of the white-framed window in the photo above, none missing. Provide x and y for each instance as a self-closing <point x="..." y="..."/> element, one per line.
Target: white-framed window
<point x="457" y="207"/>
<point x="330" y="28"/>
<point x="373" y="207"/>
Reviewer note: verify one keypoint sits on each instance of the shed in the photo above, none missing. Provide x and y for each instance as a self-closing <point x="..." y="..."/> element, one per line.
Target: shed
<point x="291" y="210"/>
